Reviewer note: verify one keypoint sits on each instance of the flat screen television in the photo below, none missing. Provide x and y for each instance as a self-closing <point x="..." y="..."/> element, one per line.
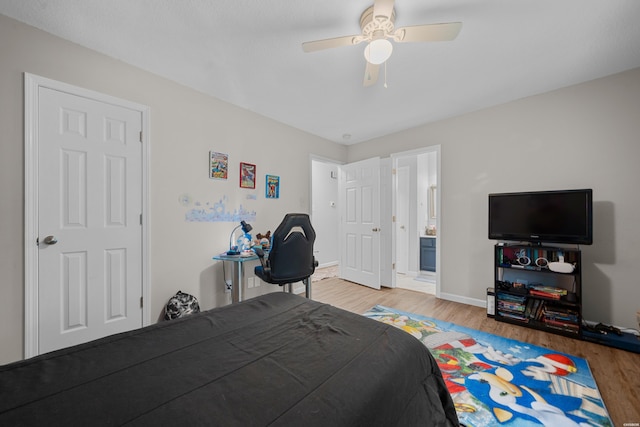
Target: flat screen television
<point x="564" y="216"/>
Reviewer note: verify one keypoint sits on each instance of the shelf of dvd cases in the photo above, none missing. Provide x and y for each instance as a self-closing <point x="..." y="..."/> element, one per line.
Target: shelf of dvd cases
<point x="539" y="287"/>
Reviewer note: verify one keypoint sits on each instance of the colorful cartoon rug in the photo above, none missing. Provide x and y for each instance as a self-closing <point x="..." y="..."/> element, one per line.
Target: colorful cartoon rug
<point x="499" y="381"/>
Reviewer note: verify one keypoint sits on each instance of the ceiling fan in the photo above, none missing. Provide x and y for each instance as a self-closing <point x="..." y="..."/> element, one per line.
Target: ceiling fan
<point x="377" y="25"/>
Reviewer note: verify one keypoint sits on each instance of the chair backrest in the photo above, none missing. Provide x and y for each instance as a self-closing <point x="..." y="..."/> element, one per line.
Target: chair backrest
<point x="291" y="255"/>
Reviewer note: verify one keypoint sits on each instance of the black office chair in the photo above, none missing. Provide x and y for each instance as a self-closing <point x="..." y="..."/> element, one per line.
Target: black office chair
<point x="291" y="257"/>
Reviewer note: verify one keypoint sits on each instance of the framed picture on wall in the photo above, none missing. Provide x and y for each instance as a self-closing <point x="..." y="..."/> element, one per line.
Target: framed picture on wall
<point x="247" y="175"/>
<point x="272" y="188"/>
<point x="218" y="165"/>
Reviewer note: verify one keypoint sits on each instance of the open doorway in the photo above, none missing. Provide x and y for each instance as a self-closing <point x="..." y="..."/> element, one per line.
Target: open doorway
<point x="361" y="245"/>
<point x="324" y="211"/>
<point x="418" y="188"/>
<point x="416" y="219"/>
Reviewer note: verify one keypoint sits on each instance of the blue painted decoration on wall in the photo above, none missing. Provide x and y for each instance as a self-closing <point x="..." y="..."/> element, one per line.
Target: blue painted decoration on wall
<point x="217" y="212"/>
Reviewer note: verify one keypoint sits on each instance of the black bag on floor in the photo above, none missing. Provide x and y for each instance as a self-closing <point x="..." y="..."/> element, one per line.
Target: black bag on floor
<point x="180" y="305"/>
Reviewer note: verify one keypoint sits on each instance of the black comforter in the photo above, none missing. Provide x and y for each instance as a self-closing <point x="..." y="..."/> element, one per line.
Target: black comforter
<point x="278" y="360"/>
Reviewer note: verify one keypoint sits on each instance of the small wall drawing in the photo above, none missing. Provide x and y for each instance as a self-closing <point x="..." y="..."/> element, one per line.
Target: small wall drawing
<point x="184" y="199"/>
<point x="272" y="190"/>
<point x="218" y="165"/>
<point x="247" y="175"/>
<point x="217" y="212"/>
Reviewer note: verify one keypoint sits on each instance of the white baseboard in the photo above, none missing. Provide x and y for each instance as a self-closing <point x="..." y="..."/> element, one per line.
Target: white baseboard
<point x="463" y="300"/>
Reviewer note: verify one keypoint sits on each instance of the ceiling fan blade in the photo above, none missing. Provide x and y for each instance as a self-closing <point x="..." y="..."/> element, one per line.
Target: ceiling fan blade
<point x="428" y="33"/>
<point x="383" y="7"/>
<point x="330" y="43"/>
<point x="370" y="74"/>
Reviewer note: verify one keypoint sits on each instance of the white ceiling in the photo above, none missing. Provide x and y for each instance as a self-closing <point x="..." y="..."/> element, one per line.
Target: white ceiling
<point x="248" y="53"/>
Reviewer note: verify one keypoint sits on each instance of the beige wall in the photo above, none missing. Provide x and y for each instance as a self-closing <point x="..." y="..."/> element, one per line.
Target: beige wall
<point x="583" y="136"/>
<point x="185" y="125"/>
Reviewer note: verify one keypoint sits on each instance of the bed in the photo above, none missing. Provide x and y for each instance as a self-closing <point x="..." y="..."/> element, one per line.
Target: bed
<point x="278" y="360"/>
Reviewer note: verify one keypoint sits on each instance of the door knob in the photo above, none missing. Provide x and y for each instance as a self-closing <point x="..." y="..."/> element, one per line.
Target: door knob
<point x="50" y="240"/>
<point x="375" y="229"/>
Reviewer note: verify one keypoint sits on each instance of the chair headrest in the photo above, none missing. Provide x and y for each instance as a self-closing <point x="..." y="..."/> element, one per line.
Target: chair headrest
<point x="292" y="223"/>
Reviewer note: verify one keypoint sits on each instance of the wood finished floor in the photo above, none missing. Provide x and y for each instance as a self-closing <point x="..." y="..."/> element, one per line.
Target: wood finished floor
<point x="617" y="372"/>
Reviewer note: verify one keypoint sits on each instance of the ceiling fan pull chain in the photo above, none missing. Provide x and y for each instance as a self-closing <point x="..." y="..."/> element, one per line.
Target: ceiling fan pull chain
<point x="385" y="74"/>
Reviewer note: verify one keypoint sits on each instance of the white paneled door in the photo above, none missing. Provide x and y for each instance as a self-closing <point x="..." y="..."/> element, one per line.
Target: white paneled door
<point x="360" y="222"/>
<point x="89" y="219"/>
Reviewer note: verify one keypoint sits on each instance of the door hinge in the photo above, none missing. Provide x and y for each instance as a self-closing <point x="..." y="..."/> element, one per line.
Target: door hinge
<point x="393" y="266"/>
<point x="140" y="136"/>
<point x="141" y="302"/>
<point x="393" y="171"/>
<point x="393" y="218"/>
<point x="140" y="219"/>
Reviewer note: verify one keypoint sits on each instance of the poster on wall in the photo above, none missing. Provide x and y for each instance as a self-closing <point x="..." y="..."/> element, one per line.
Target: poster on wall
<point x="272" y="190"/>
<point x="247" y="175"/>
<point x="218" y="165"/>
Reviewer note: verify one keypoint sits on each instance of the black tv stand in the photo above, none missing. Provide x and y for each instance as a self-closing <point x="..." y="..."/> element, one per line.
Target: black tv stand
<point x="528" y="293"/>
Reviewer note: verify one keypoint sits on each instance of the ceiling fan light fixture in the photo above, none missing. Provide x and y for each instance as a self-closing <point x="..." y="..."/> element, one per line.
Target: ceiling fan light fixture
<point x="378" y="51"/>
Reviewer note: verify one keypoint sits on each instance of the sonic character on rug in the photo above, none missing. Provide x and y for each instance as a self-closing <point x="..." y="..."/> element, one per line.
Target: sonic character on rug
<point x="497" y="382"/>
<point x="512" y="394"/>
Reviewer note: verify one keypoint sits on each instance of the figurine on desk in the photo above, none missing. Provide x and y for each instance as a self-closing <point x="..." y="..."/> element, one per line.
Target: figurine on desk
<point x="263" y="240"/>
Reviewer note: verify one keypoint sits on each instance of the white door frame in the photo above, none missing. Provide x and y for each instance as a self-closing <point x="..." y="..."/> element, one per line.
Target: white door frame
<point x="402" y="250"/>
<point x="431" y="149"/>
<point x="387" y="225"/>
<point x="32" y="84"/>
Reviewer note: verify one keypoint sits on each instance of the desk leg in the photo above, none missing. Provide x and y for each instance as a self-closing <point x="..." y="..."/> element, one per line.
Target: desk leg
<point x="236" y="292"/>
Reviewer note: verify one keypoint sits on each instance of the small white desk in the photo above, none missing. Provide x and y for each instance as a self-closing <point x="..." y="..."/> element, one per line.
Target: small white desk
<point x="238" y="275"/>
